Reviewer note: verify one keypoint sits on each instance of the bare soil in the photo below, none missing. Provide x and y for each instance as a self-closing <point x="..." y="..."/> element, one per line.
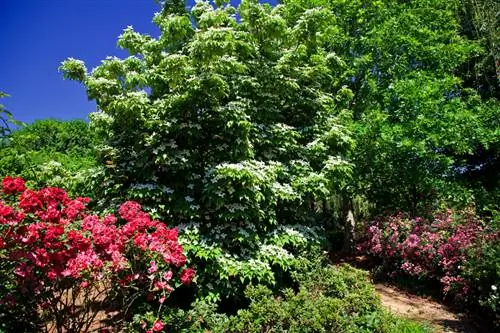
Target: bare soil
<point x="438" y="316"/>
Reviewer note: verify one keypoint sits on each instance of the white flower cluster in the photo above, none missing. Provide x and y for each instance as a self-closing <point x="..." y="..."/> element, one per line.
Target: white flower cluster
<point x="100" y="118"/>
<point x="273" y="252"/>
<point x="152" y="186"/>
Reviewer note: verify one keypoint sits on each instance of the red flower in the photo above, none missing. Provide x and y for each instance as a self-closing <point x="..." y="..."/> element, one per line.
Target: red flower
<point x="13" y="185"/>
<point x="73" y="209"/>
<point x="51" y="275"/>
<point x="9" y="216"/>
<point x="129" y="210"/>
<point x="30" y="201"/>
<point x="53" y="239"/>
<point x="158" y="326"/>
<point x="53" y="232"/>
<point x="53" y="196"/>
<point x="85" y="200"/>
<point x="140" y="240"/>
<point x="187" y="276"/>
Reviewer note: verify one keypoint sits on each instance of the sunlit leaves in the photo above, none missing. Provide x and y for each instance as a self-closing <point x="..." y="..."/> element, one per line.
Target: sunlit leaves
<point x="219" y="109"/>
<point x="73" y="69"/>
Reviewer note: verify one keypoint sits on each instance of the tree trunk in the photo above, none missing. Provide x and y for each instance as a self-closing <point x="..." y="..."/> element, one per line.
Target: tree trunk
<point x="349" y="225"/>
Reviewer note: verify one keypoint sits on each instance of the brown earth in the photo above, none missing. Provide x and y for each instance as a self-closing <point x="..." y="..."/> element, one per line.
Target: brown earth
<point x="438" y="316"/>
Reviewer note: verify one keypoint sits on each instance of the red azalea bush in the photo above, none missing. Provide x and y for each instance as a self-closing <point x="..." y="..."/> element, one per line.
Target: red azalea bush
<point x="436" y="248"/>
<point x="66" y="258"/>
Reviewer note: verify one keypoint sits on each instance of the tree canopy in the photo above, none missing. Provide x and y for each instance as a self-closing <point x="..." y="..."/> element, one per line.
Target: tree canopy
<point x="50" y="152"/>
<point x="254" y="127"/>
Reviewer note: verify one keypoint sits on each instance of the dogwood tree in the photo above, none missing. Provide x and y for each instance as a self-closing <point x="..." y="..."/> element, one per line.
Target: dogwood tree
<point x="230" y="121"/>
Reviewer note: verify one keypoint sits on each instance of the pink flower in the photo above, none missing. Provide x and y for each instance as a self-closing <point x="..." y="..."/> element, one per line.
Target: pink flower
<point x="187" y="276"/>
<point x="377" y="249"/>
<point x="158" y="326"/>
<point x="161" y="285"/>
<point x="109" y="219"/>
<point x="167" y="276"/>
<point x="89" y="222"/>
<point x="153" y="267"/>
<point x="412" y="241"/>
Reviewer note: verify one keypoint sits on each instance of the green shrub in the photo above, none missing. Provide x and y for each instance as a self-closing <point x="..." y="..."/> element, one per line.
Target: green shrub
<point x="53" y="153"/>
<point x="327" y="299"/>
<point x="483" y="272"/>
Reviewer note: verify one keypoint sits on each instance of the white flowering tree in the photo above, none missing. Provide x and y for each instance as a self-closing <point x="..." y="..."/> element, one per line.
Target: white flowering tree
<point x="231" y="122"/>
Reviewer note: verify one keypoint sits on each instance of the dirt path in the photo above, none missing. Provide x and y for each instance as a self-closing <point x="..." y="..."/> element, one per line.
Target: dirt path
<point x="424" y="310"/>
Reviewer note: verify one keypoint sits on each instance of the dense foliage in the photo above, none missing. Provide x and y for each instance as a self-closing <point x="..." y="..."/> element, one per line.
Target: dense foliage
<point x="241" y="155"/>
<point x="439" y="248"/>
<point x="266" y="136"/>
<point x="58" y="257"/>
<point x="328" y="299"/>
<point x="51" y="153"/>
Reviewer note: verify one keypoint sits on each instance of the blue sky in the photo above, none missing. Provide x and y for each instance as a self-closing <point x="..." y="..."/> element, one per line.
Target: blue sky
<point x="36" y="35"/>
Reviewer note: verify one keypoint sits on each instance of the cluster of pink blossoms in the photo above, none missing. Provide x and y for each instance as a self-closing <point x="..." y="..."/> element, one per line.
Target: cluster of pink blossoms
<point x="48" y="238"/>
<point x="435" y="249"/>
<point x="157" y="326"/>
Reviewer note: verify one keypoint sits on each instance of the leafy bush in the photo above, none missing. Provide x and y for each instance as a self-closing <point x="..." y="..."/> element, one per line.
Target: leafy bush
<point x="328" y="299"/>
<point x="240" y="156"/>
<point x="51" y="153"/>
<point x="456" y="249"/>
<point x="483" y="271"/>
<point x="265" y="258"/>
<point x="64" y="259"/>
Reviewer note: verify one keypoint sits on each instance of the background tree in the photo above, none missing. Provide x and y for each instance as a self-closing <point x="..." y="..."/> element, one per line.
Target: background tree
<point x="418" y="127"/>
<point x="6" y="119"/>
<point x="479" y="22"/>
<point x="50" y="153"/>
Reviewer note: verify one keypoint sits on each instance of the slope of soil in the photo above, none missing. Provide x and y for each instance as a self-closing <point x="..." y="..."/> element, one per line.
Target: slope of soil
<point x="425" y="310"/>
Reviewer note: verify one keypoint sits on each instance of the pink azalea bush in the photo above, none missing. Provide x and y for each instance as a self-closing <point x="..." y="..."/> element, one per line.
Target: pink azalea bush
<point x="55" y="249"/>
<point x="436" y="248"/>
